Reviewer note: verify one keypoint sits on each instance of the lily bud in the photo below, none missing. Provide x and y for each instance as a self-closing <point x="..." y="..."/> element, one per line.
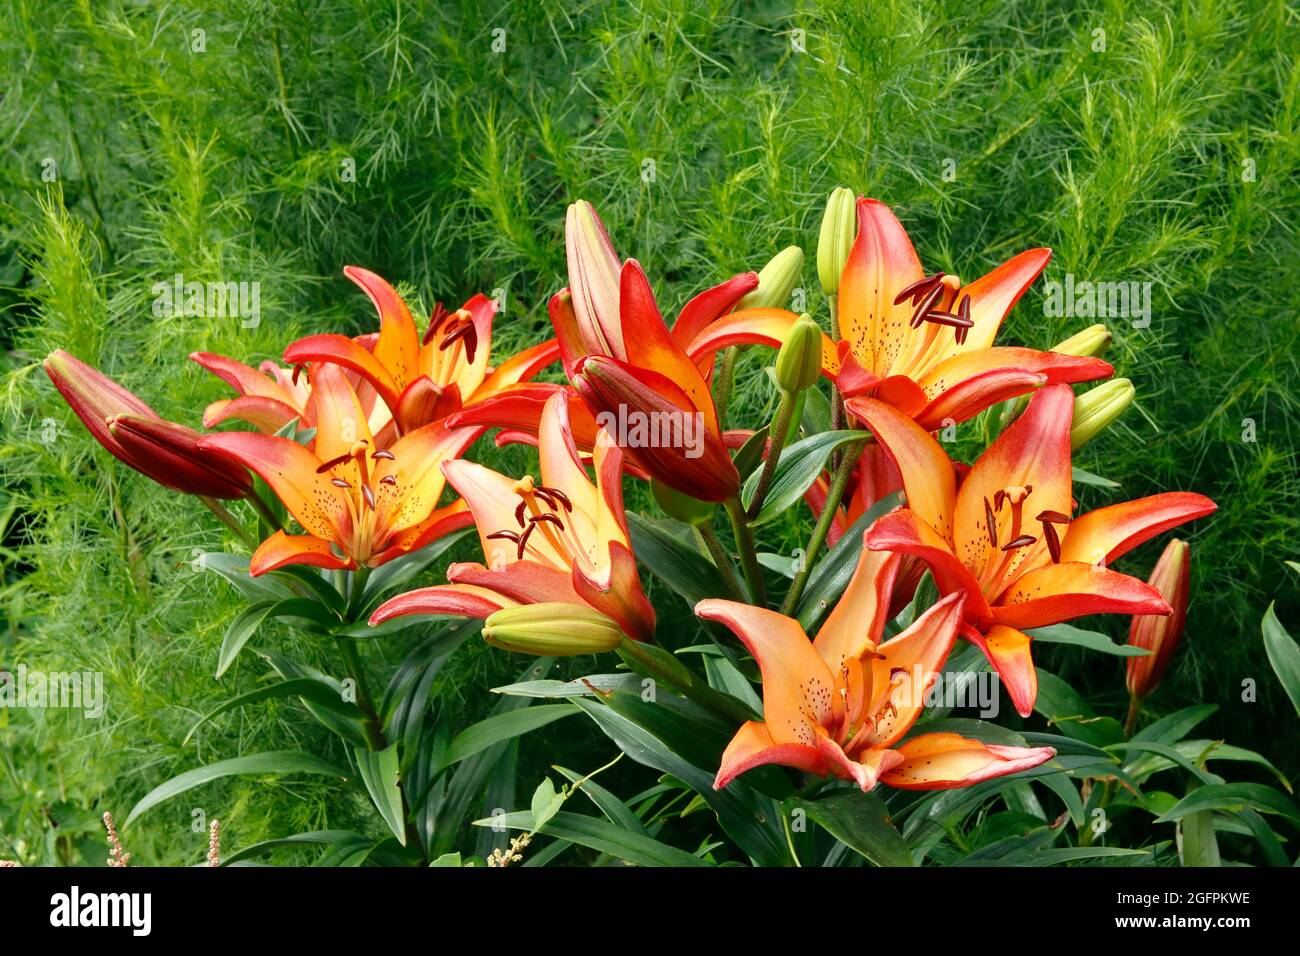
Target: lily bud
<point x="1096" y="409"/>
<point x="799" y="362"/>
<point x="681" y="506"/>
<point x="776" y="281"/>
<point x="133" y="433"/>
<point x="839" y="228"/>
<point x="1160" y="634"/>
<point x="552" y="629"/>
<point x="1092" y="341"/>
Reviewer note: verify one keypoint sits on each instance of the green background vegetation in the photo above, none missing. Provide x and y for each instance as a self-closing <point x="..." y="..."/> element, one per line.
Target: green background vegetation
<point x="225" y="164"/>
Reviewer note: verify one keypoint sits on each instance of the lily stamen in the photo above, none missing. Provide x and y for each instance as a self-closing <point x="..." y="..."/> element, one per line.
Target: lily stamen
<point x="918" y="288"/>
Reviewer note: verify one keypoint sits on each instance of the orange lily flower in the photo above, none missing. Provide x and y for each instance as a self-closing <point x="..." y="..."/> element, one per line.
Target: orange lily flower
<point x="269" y="396"/>
<point x="423" y="380"/>
<point x="359" y="504"/>
<point x="135" y="435"/>
<point x="563" y="540"/>
<point x="923" y="344"/>
<point x="1007" y="537"/>
<point x="842" y="704"/>
<point x="621" y="357"/>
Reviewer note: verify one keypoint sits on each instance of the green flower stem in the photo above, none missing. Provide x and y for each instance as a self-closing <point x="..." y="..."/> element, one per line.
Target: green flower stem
<point x="1108" y="788"/>
<point x="838" y="483"/>
<point x="226" y="518"/>
<point x="724" y="381"/>
<point x="748" y="555"/>
<point x="1131" y="719"/>
<point x="641" y="658"/>
<point x="776" y="443"/>
<point x="374" y="729"/>
<point x="709" y="538"/>
<point x="264" y="511"/>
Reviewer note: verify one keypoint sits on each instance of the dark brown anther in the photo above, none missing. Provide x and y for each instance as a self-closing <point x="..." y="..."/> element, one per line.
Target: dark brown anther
<point x="519" y="512"/>
<point x="998" y="497"/>
<point x="297" y="370"/>
<point x="1019" y="542"/>
<point x="551" y="518"/>
<point x="339" y="483"/>
<point x="991" y="522"/>
<point x="523" y="540"/>
<point x="438" y="317"/>
<point x="1053" y="542"/>
<point x="558" y="495"/>
<point x="466" y="331"/>
<point x="332" y="462"/>
<point x="503" y="535"/>
<point x="1053" y="516"/>
<point x="385" y="455"/>
<point x="369" y="496"/>
<point x="928" y="302"/>
<point x="918" y="288"/>
<point x="948" y="318"/>
<point x="388" y="480"/>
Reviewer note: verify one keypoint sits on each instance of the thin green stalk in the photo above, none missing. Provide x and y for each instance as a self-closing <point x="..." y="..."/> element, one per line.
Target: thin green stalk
<point x="722" y="384"/>
<point x="748" y="555"/>
<point x="709" y="538"/>
<point x="264" y="510"/>
<point x="226" y="518"/>
<point x="776" y="443"/>
<point x="789" y="839"/>
<point x="838" y="483"/>
<point x="636" y="653"/>
<point x="1131" y="719"/>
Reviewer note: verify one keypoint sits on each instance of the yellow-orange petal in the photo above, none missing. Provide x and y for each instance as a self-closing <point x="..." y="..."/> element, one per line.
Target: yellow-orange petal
<point x="283" y="549"/>
<point x="943" y="761"/>
<point x="798" y="689"/>
<point x="753" y="746"/>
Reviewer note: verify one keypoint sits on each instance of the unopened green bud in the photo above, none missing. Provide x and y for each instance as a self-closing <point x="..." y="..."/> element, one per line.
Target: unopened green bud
<point x="681" y="506"/>
<point x="1096" y="409"/>
<point x="1091" y="341"/>
<point x="839" y="228"/>
<point x="552" y="629"/>
<point x="799" y="361"/>
<point x="776" y="281"/>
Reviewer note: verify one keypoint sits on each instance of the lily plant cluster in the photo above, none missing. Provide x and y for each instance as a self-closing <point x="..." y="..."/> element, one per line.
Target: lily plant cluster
<point x="355" y="459"/>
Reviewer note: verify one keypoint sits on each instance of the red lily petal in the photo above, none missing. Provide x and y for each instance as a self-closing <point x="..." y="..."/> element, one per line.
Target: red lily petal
<point x="526" y="582"/>
<point x="926" y="469"/>
<point x="993" y="295"/>
<point x="709" y="306"/>
<point x="267" y="415"/>
<point x="1033" y="453"/>
<point x="1009" y="651"/>
<point x="398" y="346"/>
<point x="944" y="761"/>
<point x="440" y="523"/>
<point x="290" y="470"/>
<point x="621" y="597"/>
<point x="460" y="600"/>
<point x="756" y="327"/>
<point x="170" y="455"/>
<point x="864" y="768"/>
<point x="1103" y="535"/>
<point x="904" y="532"/>
<point x="518" y="368"/>
<point x="701" y="467"/>
<point x="881" y="263"/>
<point x="753" y="746"/>
<point x="1062" y="592"/>
<point x="341" y="350"/>
<point x="283" y="549"/>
